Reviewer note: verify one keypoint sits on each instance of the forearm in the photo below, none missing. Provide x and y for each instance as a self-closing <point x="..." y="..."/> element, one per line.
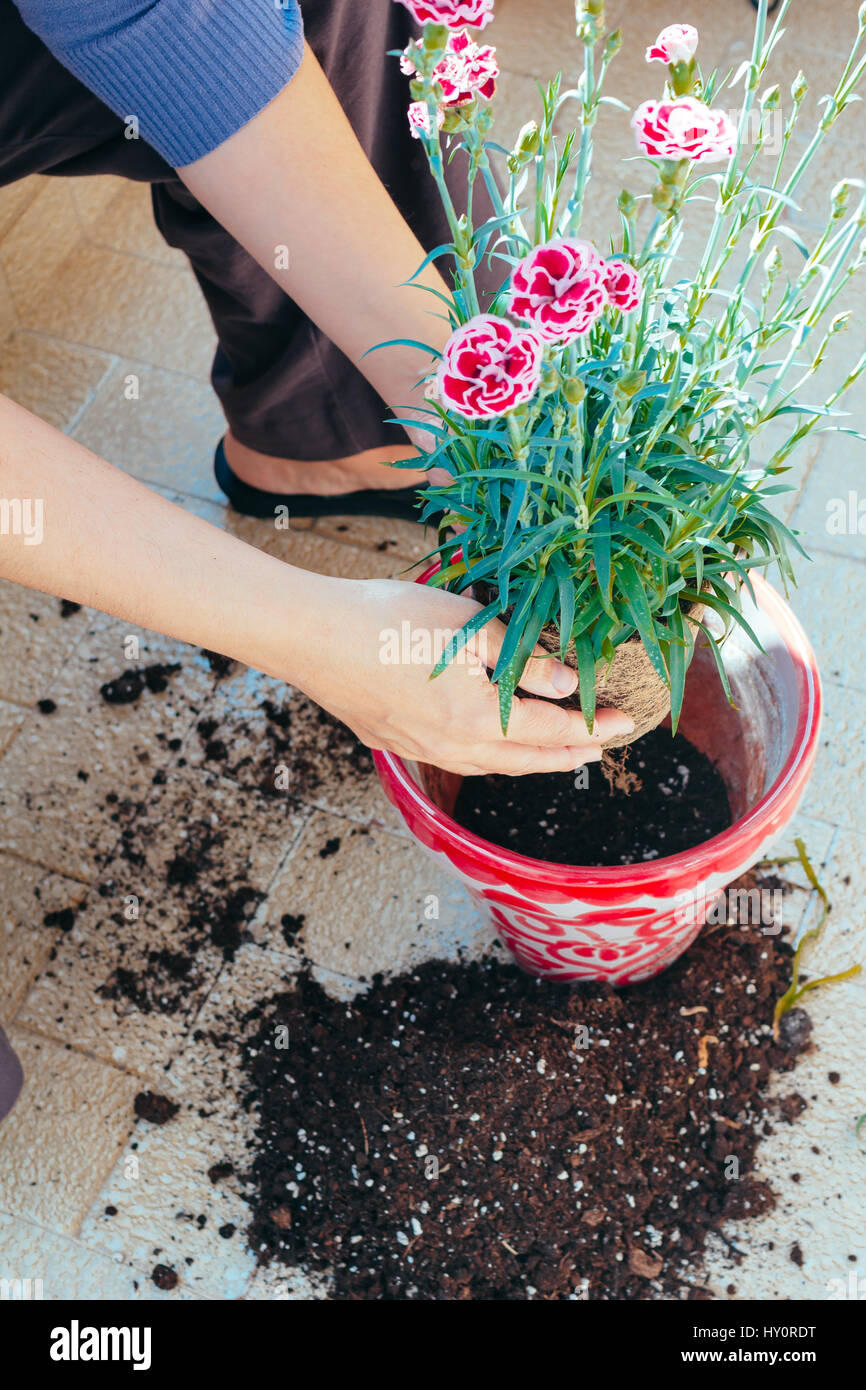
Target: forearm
<point x="110" y="542"/>
<point x="297" y="177"/>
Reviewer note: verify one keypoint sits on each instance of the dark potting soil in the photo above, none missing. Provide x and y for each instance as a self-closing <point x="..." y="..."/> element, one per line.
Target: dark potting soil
<point x="467" y="1131"/>
<point x="658" y="797"/>
<point x="158" y="1109"/>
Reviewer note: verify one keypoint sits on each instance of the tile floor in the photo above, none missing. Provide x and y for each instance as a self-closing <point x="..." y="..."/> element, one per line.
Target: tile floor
<point x="85" y="285"/>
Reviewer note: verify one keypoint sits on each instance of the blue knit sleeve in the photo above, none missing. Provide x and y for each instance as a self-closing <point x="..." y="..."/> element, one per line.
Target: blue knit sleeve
<point x="192" y="72"/>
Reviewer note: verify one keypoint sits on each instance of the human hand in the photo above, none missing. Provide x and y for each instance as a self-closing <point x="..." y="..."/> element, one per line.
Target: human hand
<point x="380" y="641"/>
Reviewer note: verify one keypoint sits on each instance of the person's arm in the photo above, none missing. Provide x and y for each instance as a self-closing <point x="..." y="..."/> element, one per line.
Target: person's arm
<point x="110" y="542"/>
<point x="295" y="176"/>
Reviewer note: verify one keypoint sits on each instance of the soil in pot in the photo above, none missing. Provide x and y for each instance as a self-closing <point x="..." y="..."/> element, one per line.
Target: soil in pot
<point x="468" y="1131"/>
<point x="657" y="798"/>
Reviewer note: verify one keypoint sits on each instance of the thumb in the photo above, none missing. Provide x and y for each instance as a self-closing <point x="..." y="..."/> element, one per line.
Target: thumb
<point x="543" y="675"/>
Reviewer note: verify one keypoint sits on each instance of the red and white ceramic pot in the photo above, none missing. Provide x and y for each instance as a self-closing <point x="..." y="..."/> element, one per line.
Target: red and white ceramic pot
<point x="576" y="922"/>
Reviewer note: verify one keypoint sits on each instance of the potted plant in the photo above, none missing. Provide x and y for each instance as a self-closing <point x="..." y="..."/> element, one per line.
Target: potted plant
<point x="600" y="424"/>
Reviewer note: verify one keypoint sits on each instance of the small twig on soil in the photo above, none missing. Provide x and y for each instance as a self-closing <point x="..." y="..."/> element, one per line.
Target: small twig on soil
<point x="795" y="991"/>
<point x="510" y="1248"/>
<point x="366" y="1143"/>
<point x="698" y="1009"/>
<point x="704" y="1049"/>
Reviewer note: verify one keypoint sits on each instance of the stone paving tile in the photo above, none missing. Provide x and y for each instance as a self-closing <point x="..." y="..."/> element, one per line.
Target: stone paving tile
<point x="123" y="305"/>
<point x="127" y="224"/>
<point x="829" y="510"/>
<point x="833" y="793"/>
<point x="51" y="814"/>
<point x="93" y="196"/>
<point x="36" y="247"/>
<point x="263" y="734"/>
<point x="164" y="1170"/>
<point x="166" y="436"/>
<point x="842" y="942"/>
<point x="822" y="1208"/>
<point x="405" y="540"/>
<point x="26" y="938"/>
<point x="310" y="551"/>
<point x="274" y="1285"/>
<point x="8" y="316"/>
<point x="68" y="1270"/>
<point x="147" y="946"/>
<point x="15" y="199"/>
<point x="53" y="380"/>
<point x="11" y="719"/>
<point x="71" y="1120"/>
<point x="32" y="628"/>
<point x="361" y="901"/>
<point x="817" y="838"/>
<point x="832" y="585"/>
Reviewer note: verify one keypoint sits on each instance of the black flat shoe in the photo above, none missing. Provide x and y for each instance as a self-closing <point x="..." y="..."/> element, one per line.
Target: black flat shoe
<point x="403" y="503"/>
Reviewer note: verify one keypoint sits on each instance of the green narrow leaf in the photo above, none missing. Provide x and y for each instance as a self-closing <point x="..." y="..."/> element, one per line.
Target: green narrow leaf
<point x="586" y="678"/>
<point x="641" y="614"/>
<point x="720" y="665"/>
<point x="679" y="660"/>
<point x="538" y="616"/>
<point x="505" y="690"/>
<point x="456" y="643"/>
<point x="720" y="605"/>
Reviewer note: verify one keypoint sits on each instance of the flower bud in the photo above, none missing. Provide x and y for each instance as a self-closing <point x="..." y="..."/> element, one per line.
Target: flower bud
<point x="526" y="146"/>
<point x="799" y="87"/>
<point x="455" y="118"/>
<point x="549" y="379"/>
<point x="528" y="139"/>
<point x="463" y="236"/>
<point x="770" y="99"/>
<point x="612" y="45"/>
<point x="773" y="264"/>
<point x="629" y="384"/>
<point x="590" y="20"/>
<point x="626" y="204"/>
<point x="861" y="15"/>
<point x="574" y="390"/>
<point x="839" y="198"/>
<point x="663" y="197"/>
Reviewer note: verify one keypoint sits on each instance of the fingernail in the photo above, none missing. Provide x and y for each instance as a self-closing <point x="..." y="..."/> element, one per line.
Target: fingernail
<point x="563" y="679"/>
<point x="621" y="725"/>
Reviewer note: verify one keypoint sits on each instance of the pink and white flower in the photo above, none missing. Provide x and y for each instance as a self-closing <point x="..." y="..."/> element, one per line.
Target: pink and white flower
<point x="489" y="366"/>
<point x="560" y="289"/>
<point x="684" y="129"/>
<point x="675" y="44"/>
<point x="453" y="13"/>
<point x="467" y="70"/>
<point x="419" y="118"/>
<point x="623" y="285"/>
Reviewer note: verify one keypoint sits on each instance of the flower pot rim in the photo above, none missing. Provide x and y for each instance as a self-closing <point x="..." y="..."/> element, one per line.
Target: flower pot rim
<point x="787" y="786"/>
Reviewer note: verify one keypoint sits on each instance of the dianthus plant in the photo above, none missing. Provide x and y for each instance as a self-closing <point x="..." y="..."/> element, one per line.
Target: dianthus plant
<point x="601" y="422"/>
